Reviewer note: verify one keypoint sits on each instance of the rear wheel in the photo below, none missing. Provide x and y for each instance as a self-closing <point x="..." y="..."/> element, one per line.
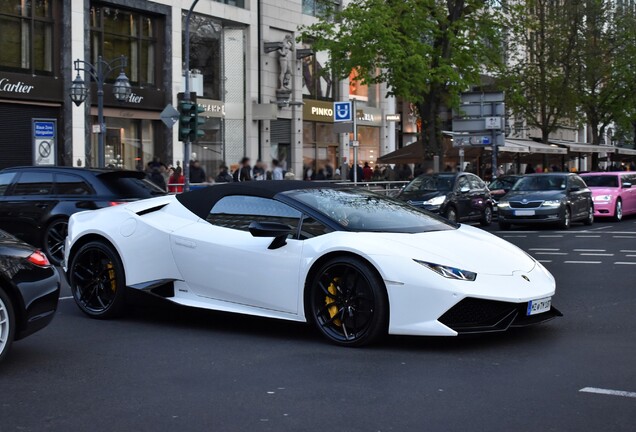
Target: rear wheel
<point x="97" y="280"/>
<point x="451" y="214"/>
<point x="7" y="324"/>
<point x="348" y="302"/>
<point x="566" y="220"/>
<point x="589" y="220"/>
<point x="54" y="238"/>
<point x="486" y="216"/>
<point x="618" y="211"/>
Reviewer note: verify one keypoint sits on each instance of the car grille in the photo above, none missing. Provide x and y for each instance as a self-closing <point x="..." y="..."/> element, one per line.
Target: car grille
<point x="473" y="315"/>
<point x="525" y="205"/>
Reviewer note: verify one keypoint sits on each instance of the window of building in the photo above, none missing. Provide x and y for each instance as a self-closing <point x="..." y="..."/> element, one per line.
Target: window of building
<point x="27" y="42"/>
<point x="238" y="211"/>
<point x="365" y="94"/>
<point x="317" y="84"/>
<point x="318" y="8"/>
<point x="206" y="59"/>
<point x="116" y="32"/>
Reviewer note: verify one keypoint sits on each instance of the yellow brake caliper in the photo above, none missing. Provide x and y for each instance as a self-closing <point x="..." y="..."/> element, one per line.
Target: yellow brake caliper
<point x="111" y="276"/>
<point x="333" y="310"/>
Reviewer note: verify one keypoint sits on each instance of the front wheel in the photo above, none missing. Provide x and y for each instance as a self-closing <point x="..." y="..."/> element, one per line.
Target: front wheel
<point x="618" y="211"/>
<point x="566" y="220"/>
<point x="7" y="324"/>
<point x="486" y="217"/>
<point x="589" y="220"/>
<point x="97" y="280"/>
<point x="348" y="302"/>
<point x="54" y="237"/>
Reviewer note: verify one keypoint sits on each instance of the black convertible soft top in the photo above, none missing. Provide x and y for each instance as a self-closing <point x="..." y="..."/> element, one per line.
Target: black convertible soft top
<point x="201" y="201"/>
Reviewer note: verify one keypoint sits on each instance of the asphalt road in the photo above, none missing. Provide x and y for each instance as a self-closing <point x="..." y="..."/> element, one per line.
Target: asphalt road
<point x="167" y="368"/>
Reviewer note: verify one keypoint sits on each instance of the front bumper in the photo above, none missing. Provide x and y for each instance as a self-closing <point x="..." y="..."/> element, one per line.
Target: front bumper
<point x="604" y="208"/>
<point x="541" y="215"/>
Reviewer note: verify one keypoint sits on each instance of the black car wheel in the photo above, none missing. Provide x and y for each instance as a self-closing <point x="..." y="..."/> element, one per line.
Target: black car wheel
<point x="618" y="211"/>
<point x="567" y="219"/>
<point x="54" y="237"/>
<point x="7" y="323"/>
<point x="348" y="302"/>
<point x="589" y="220"/>
<point x="451" y="214"/>
<point x="486" y="216"/>
<point x="97" y="280"/>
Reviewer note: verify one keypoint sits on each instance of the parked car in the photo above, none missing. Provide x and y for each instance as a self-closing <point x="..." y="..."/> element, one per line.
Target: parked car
<point x="547" y="198"/>
<point x="29" y="291"/>
<point x="36" y="202"/>
<point x="458" y="197"/>
<point x="354" y="263"/>
<point x="501" y="186"/>
<point x="613" y="193"/>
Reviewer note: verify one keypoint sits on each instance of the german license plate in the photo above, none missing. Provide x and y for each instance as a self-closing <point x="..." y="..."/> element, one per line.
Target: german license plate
<point x="524" y="212"/>
<point x="539" y="306"/>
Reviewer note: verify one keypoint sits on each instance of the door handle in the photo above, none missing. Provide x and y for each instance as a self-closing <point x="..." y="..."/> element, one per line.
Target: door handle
<point x="186" y="243"/>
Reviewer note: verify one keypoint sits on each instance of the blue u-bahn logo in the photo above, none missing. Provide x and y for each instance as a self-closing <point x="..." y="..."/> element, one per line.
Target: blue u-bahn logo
<point x="342" y="111"/>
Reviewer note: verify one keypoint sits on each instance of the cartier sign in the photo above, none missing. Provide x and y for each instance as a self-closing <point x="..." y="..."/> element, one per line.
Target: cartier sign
<point x="29" y="87"/>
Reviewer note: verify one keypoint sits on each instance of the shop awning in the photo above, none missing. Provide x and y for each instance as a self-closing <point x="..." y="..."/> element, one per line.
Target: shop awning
<point x="536" y="147"/>
<point x="625" y="151"/>
<point x="578" y="147"/>
<point x="412" y="153"/>
<point x="510" y="147"/>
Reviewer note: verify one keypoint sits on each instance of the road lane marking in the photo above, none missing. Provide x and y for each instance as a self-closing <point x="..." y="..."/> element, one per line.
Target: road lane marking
<point x="628" y="251"/>
<point x="625" y="263"/>
<point x="599" y="228"/>
<point x="589" y="250"/>
<point x="551" y="236"/>
<point x="66" y="298"/>
<point x="583" y="262"/>
<point x="630" y="256"/>
<point x="515" y="236"/>
<point x="597" y="254"/>
<point x="551" y="253"/>
<point x="608" y="392"/>
<point x="588" y="236"/>
<point x="545" y="261"/>
<point x="545" y="249"/>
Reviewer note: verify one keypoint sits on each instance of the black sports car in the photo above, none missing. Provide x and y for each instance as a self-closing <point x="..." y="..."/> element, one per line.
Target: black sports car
<point x="36" y="202"/>
<point x="29" y="291"/>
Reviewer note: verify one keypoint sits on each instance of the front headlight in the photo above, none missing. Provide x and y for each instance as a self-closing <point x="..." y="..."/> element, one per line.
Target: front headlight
<point x="438" y="200"/>
<point x="503" y="204"/>
<point x="551" y="203"/>
<point x="602" y="198"/>
<point x="449" y="272"/>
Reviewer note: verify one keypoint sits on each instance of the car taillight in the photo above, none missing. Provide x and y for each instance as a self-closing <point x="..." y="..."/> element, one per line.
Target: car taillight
<point x="114" y="203"/>
<point x="39" y="259"/>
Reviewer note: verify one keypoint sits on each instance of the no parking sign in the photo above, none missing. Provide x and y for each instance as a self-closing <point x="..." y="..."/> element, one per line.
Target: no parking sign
<point x="44" y="148"/>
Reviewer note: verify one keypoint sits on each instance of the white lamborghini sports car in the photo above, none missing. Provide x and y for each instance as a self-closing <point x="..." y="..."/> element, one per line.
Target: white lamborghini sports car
<point x="355" y="264"/>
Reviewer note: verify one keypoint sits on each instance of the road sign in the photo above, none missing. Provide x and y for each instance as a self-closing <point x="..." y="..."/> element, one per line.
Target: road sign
<point x="342" y="112"/>
<point x="493" y="123"/>
<point x="479" y="110"/>
<point x="468" y="125"/>
<point x="44" y="141"/>
<point x="478" y="97"/>
<point x="477" y="139"/>
<point x="169" y="116"/>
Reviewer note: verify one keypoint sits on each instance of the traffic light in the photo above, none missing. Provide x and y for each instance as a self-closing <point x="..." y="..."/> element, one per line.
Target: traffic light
<point x="189" y="120"/>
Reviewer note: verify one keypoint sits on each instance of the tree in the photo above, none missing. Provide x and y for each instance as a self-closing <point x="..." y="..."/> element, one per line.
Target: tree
<point x="426" y="51"/>
<point x="540" y="69"/>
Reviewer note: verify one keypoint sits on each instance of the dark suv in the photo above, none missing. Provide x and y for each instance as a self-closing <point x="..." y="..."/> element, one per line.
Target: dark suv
<point x="457" y="196"/>
<point x="36" y="202"/>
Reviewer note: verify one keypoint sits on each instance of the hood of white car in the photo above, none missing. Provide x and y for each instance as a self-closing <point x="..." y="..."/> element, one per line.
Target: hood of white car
<point x="467" y="248"/>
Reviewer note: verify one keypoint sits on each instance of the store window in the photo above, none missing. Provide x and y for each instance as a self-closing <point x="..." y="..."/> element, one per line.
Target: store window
<point x="116" y="32"/>
<point x="206" y="59"/>
<point x="317" y="84"/>
<point x="369" y="148"/>
<point x="320" y="151"/>
<point x="128" y="144"/>
<point x="28" y="36"/>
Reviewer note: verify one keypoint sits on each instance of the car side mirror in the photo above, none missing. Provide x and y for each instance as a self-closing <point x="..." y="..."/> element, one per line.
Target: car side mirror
<point x="627" y="185"/>
<point x="464" y="189"/>
<point x="271" y="229"/>
<point x="575" y="188"/>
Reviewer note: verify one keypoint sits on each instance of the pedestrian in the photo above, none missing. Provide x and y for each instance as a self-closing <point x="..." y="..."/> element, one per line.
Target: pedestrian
<point x="224" y="175"/>
<point x="367" y="172"/>
<point x="244" y="171"/>
<point x="176" y="181"/>
<point x="157" y="178"/>
<point x="197" y="174"/>
<point x="277" y="171"/>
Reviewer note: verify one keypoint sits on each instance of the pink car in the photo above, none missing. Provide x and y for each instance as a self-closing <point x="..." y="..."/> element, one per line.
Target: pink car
<point x="613" y="193"/>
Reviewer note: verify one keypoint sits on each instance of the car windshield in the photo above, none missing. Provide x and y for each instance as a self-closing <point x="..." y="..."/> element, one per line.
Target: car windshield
<point x="430" y="183"/>
<point x="360" y="210"/>
<point x="503" y="183"/>
<point x="540" y="183"/>
<point x="601" y="181"/>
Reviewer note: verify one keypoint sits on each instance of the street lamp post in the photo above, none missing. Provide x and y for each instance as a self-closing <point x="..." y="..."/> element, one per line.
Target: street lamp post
<point x="99" y="72"/>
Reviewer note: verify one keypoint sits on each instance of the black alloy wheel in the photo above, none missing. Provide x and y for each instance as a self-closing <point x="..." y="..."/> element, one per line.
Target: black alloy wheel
<point x="486" y="216"/>
<point x="348" y="302"/>
<point x="7" y="324"/>
<point x="97" y="280"/>
<point x="589" y="220"/>
<point x="566" y="220"/>
<point x="54" y="238"/>
<point x="618" y="211"/>
<point x="451" y="214"/>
